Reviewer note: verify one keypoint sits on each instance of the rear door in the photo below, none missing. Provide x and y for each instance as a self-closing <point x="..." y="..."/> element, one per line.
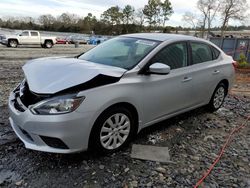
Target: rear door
<point x="34" y="37"/>
<point x="206" y="71"/>
<point x="167" y="94"/>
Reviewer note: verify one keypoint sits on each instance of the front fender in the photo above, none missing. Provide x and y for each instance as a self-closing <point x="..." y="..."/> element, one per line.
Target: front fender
<point x="13" y="39"/>
<point x="99" y="99"/>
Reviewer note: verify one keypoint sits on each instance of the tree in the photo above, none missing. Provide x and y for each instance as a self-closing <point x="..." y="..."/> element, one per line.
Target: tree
<point x="213" y="7"/>
<point x="152" y="12"/>
<point x="128" y="14"/>
<point x="166" y="11"/>
<point x="46" y="21"/>
<point x="209" y="9"/>
<point x="28" y="22"/>
<point x="68" y="19"/>
<point x="191" y="19"/>
<point x="232" y="10"/>
<point x="88" y="23"/>
<point x="139" y="18"/>
<point x="112" y="16"/>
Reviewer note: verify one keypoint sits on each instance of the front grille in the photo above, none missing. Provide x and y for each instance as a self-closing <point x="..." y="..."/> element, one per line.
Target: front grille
<point x="28" y="97"/>
<point x="54" y="142"/>
<point x="18" y="106"/>
<point x="24" y="97"/>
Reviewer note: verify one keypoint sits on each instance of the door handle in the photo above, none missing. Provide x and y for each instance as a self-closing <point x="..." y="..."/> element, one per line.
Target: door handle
<point x="216" y="72"/>
<point x="187" y="79"/>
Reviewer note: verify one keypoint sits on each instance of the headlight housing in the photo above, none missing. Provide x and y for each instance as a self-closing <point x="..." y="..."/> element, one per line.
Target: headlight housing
<point x="58" y="105"/>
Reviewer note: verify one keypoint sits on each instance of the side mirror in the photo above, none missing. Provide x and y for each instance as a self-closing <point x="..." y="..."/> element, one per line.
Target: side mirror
<point x="159" y="68"/>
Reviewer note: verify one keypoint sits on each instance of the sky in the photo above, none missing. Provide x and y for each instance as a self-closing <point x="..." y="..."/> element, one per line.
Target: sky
<point x="34" y="8"/>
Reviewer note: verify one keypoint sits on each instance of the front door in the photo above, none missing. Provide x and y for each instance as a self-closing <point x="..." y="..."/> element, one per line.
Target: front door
<point x="167" y="94"/>
<point x="24" y="37"/>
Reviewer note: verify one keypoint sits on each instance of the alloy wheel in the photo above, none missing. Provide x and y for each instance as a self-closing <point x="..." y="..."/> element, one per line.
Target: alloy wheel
<point x="13" y="44"/>
<point x="219" y="97"/>
<point x="115" y="131"/>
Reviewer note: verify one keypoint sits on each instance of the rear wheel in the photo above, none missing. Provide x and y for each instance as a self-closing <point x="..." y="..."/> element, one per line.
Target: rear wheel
<point x="13" y="43"/>
<point x="217" y="97"/>
<point x="113" y="130"/>
<point x="48" y="44"/>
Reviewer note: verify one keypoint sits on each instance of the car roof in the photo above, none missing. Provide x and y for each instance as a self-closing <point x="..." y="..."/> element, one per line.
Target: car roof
<point x="161" y="36"/>
<point x="29" y="31"/>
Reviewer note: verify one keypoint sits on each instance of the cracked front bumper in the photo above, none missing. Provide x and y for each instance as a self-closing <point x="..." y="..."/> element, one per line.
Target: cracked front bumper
<point x="65" y="133"/>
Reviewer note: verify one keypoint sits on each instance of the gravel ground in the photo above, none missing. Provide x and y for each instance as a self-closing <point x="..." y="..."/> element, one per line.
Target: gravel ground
<point x="194" y="140"/>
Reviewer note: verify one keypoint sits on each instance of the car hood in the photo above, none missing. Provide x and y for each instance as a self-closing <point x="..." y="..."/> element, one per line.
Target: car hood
<point x="52" y="75"/>
<point x="11" y="36"/>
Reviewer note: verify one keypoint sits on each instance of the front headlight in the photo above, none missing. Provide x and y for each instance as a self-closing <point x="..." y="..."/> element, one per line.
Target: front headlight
<point x="58" y="105"/>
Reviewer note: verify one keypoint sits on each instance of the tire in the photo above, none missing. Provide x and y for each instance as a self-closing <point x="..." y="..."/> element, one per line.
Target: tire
<point x="13" y="43"/>
<point x="48" y="44"/>
<point x="107" y="136"/>
<point x="217" y="98"/>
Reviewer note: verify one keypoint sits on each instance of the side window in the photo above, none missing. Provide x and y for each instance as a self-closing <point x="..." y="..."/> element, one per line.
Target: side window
<point x="216" y="53"/>
<point x="25" y="33"/>
<point x="174" y="55"/>
<point x="201" y="53"/>
<point x="34" y="34"/>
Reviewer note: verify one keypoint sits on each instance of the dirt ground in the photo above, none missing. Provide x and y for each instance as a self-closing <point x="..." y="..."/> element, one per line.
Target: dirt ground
<point x="194" y="140"/>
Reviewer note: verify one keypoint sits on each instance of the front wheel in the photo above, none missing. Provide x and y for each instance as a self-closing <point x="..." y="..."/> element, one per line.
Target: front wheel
<point x="13" y="43"/>
<point x="113" y="130"/>
<point x="217" y="97"/>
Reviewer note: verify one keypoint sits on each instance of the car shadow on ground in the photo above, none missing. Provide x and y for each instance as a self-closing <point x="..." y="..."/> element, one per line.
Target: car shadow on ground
<point x="166" y="124"/>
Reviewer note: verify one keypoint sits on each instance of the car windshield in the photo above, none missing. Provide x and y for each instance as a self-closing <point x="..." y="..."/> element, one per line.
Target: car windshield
<point x="18" y="33"/>
<point x="123" y="52"/>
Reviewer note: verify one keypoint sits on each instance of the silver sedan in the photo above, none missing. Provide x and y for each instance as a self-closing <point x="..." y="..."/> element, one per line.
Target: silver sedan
<point x="102" y="98"/>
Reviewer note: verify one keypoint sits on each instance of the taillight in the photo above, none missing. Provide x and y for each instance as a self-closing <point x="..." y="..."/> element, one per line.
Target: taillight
<point x="234" y="64"/>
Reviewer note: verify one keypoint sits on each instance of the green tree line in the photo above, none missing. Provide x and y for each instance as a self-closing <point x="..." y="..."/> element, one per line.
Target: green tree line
<point x="113" y="21"/>
<point x="152" y="17"/>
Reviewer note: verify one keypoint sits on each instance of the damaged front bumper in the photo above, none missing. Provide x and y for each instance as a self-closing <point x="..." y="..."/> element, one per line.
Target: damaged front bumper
<point x="65" y="133"/>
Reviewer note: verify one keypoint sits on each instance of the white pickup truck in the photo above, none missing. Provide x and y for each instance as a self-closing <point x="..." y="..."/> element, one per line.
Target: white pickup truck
<point x="28" y="38"/>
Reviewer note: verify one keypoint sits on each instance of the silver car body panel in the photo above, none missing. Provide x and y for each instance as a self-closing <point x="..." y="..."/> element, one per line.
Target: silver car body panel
<point x="155" y="97"/>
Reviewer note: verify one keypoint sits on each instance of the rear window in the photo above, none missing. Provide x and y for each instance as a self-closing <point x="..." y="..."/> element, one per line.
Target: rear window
<point x="216" y="53"/>
<point x="34" y="33"/>
<point x="201" y="52"/>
